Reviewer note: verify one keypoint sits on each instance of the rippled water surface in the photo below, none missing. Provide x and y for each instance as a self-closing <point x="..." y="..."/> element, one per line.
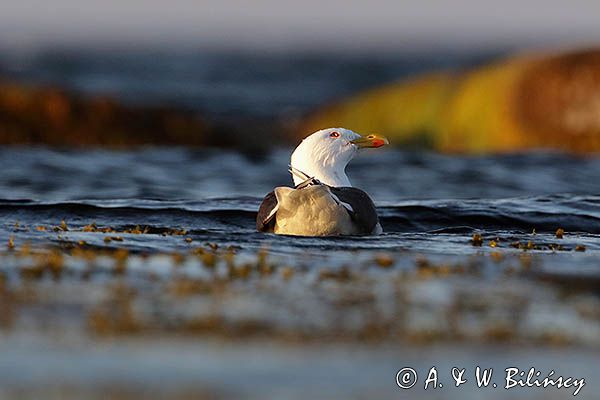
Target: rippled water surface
<point x="427" y="202"/>
<point x="173" y="262"/>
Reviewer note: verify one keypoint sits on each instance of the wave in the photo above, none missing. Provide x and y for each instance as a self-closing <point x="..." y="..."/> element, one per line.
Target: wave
<point x="542" y="213"/>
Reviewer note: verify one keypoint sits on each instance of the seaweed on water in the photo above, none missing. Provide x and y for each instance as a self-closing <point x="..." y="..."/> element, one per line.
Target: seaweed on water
<point x="477" y="240"/>
<point x="384" y="260"/>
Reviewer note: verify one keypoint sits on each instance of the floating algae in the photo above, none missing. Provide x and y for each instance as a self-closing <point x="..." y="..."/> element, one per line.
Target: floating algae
<point x="477" y="240"/>
<point x="236" y="294"/>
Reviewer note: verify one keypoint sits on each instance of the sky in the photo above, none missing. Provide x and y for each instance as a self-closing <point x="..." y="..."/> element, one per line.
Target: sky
<point x="272" y="24"/>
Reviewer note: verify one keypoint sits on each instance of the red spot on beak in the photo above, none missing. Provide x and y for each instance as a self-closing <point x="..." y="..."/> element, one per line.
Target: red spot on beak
<point x="377" y="143"/>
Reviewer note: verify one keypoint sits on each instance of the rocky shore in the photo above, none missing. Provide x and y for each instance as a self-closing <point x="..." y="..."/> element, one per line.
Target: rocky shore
<point x="524" y="102"/>
<point x="31" y="115"/>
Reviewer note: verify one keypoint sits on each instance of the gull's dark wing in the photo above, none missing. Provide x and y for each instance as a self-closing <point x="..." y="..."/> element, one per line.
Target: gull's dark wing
<point x="363" y="211"/>
<point x="265" y="219"/>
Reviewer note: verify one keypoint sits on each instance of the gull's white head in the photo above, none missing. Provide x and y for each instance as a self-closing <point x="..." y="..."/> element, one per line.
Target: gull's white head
<point x="325" y="154"/>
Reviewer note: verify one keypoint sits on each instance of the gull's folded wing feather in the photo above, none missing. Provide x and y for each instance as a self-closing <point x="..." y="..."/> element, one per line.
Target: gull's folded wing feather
<point x="265" y="219"/>
<point x="359" y="206"/>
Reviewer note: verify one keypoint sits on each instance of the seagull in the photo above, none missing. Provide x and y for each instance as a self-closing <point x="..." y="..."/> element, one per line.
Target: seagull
<point x="323" y="201"/>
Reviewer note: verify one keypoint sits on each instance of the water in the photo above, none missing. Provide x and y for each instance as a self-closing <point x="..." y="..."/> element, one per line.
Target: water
<point x="428" y="203"/>
<point x="113" y="322"/>
<point x="214" y="194"/>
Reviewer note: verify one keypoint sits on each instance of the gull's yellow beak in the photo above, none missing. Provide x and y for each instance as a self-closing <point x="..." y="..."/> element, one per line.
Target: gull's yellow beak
<point x="370" y="141"/>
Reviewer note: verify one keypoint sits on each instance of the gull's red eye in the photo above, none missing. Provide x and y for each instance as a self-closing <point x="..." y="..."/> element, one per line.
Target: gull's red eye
<point x="334" y="135"/>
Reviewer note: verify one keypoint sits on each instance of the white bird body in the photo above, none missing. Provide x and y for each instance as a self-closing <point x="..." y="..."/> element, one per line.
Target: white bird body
<point x="323" y="203"/>
<point x="312" y="211"/>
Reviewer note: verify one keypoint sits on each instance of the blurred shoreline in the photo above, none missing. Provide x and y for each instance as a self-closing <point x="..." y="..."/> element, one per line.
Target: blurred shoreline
<point x="457" y="102"/>
<point x="118" y="98"/>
